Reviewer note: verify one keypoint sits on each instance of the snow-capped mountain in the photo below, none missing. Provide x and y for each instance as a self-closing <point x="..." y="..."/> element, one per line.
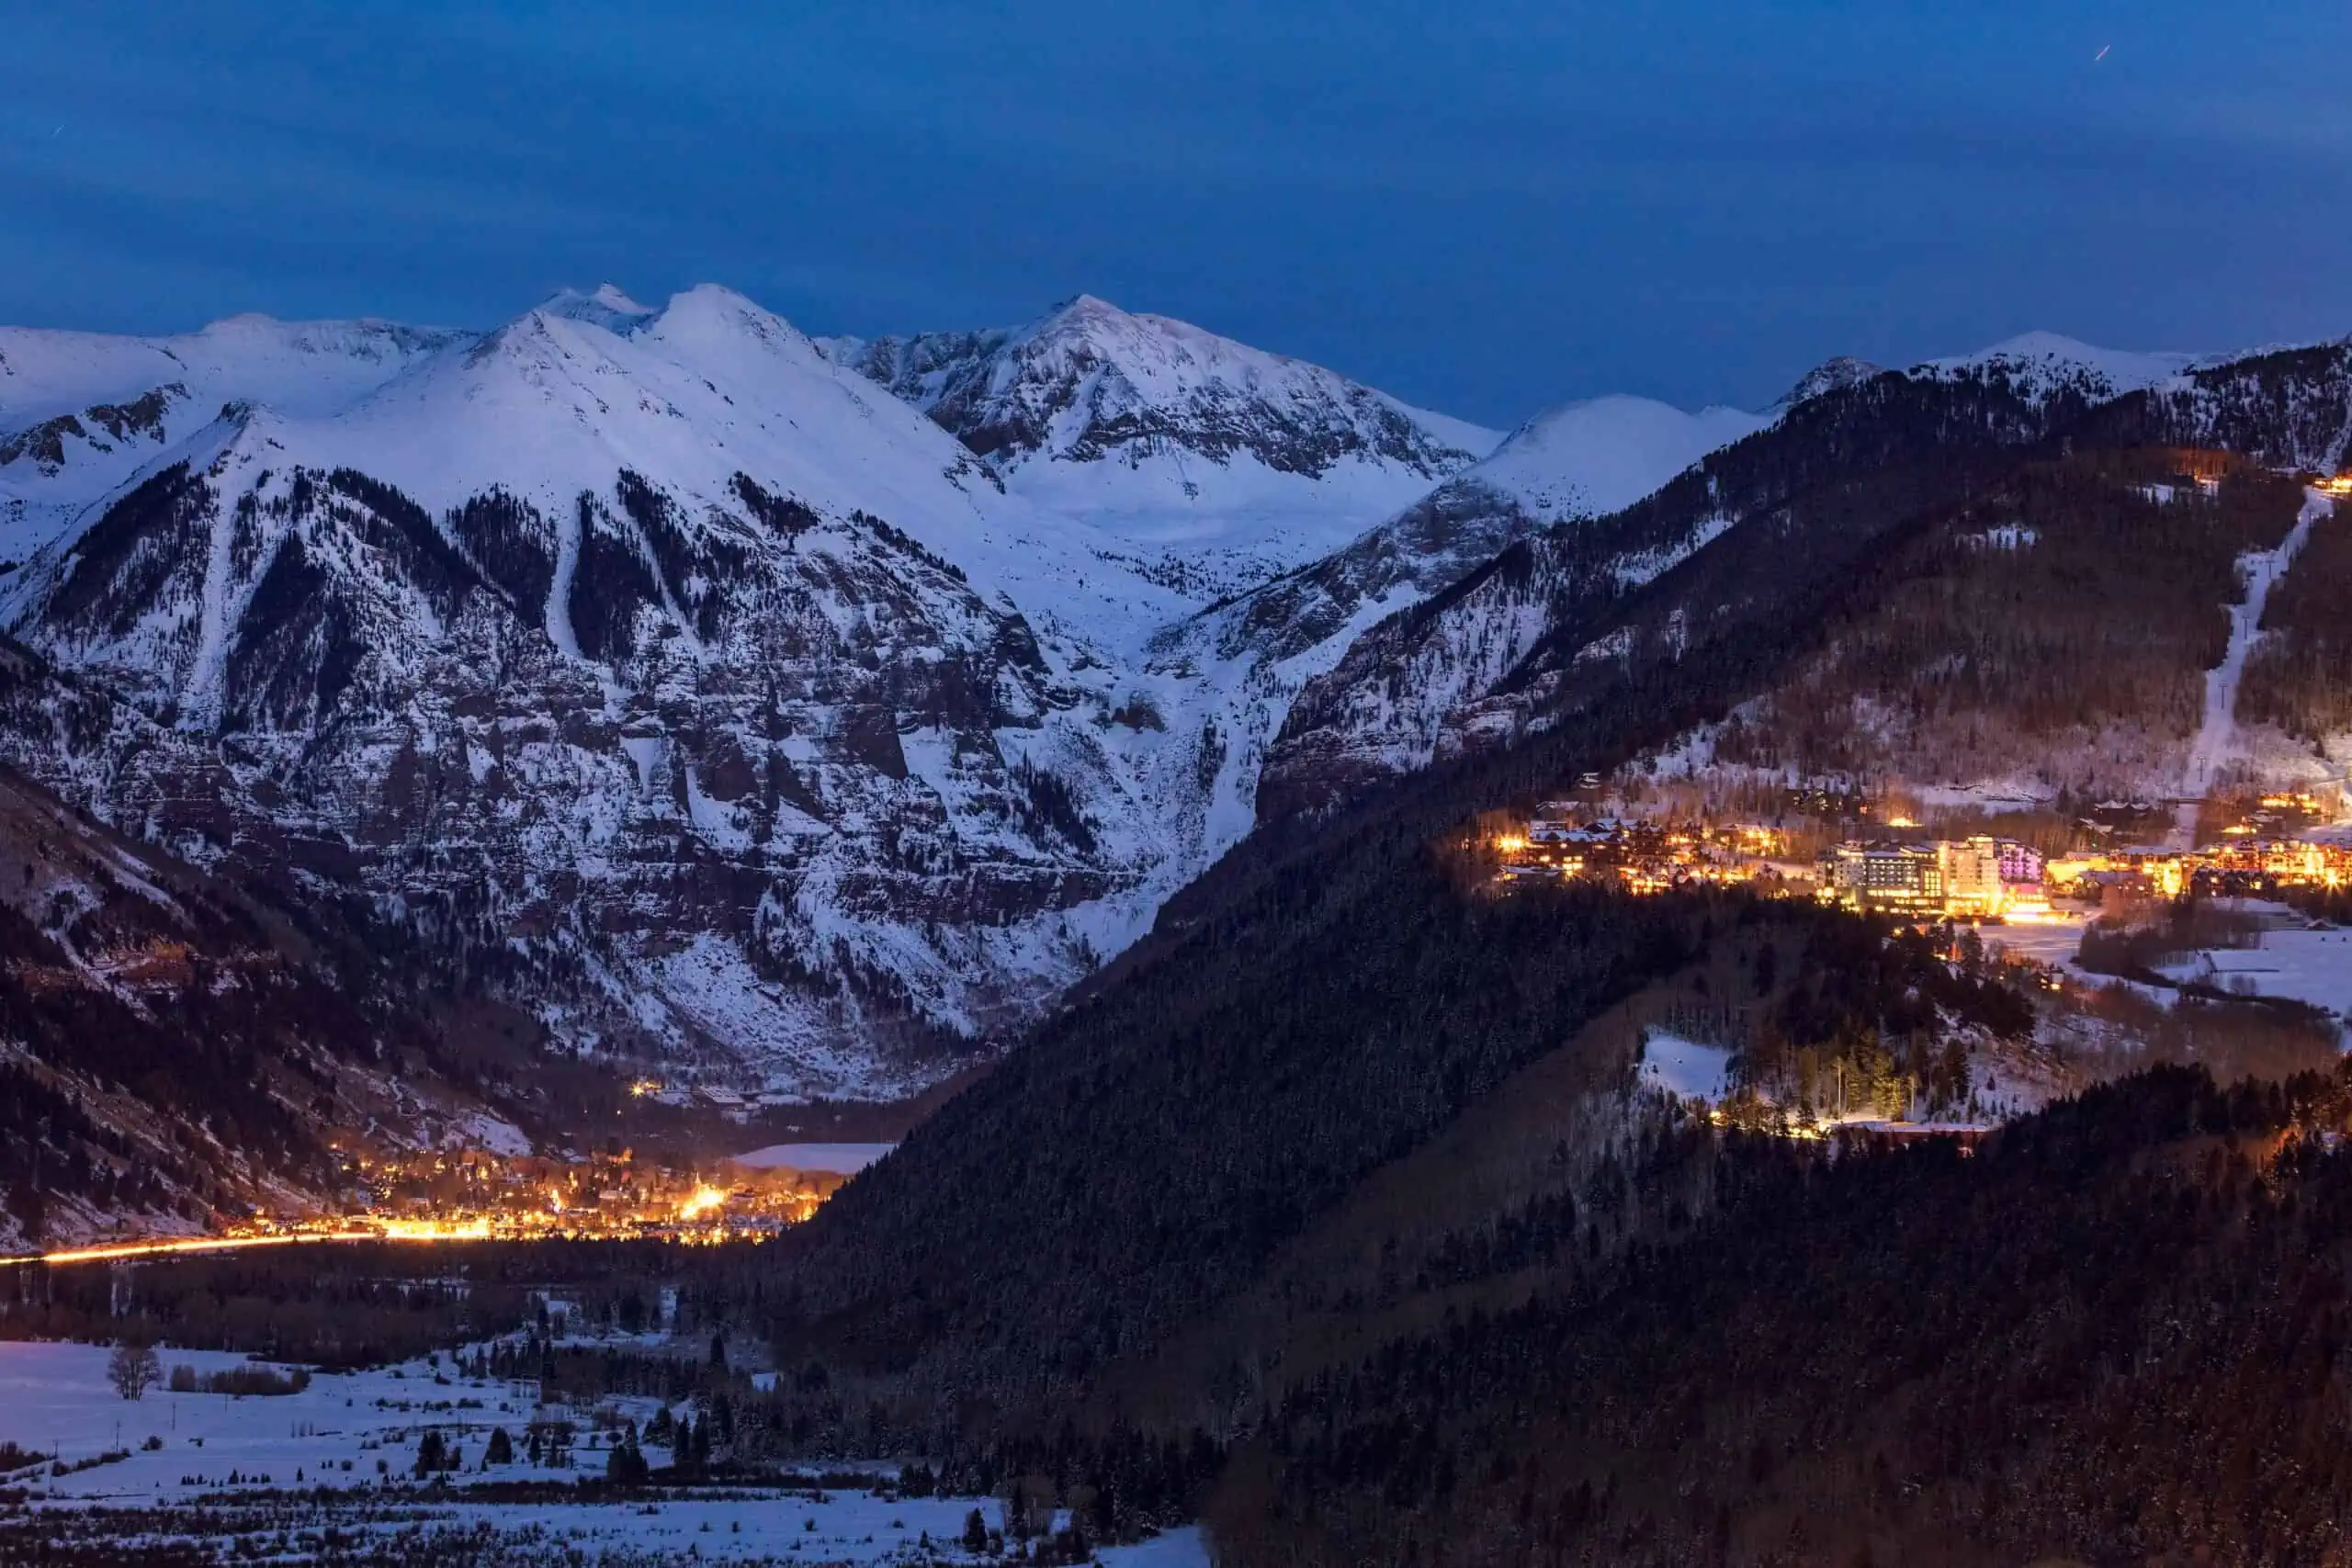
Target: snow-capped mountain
<point x="1597" y="456"/>
<point x="694" y="693"/>
<point x="1210" y="465"/>
<point x="1830" y="376"/>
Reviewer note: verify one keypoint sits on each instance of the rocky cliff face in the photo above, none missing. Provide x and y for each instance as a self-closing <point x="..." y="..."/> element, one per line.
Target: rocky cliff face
<point x="178" y="1045"/>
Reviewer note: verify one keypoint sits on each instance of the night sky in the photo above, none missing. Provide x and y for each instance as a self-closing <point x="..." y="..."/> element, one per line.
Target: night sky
<point x="1488" y="209"/>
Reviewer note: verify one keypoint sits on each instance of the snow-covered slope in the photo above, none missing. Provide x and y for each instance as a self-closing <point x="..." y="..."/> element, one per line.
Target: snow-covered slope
<point x="807" y="712"/>
<point x="81" y="412"/>
<point x="1211" y="465"/>
<point x="708" y="698"/>
<point x="1597" y="456"/>
<point x="2290" y="408"/>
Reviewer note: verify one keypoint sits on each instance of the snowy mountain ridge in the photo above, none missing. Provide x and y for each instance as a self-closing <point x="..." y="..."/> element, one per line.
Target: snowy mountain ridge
<point x="2041" y="362"/>
<point x="1212" y="464"/>
<point x="1549" y="615"/>
<point x="802" y="712"/>
<point x="81" y="413"/>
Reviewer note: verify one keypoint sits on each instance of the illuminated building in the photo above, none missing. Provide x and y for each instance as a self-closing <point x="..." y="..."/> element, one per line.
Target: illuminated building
<point x="1970" y="876"/>
<point x="1887" y="876"/>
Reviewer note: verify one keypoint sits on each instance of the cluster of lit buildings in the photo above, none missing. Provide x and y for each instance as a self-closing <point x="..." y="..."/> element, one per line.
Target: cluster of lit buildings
<point x="2234" y="867"/>
<point x="476" y="1194"/>
<point x="1978" y="878"/>
<point x="1646" y="857"/>
<point x="459" y="1195"/>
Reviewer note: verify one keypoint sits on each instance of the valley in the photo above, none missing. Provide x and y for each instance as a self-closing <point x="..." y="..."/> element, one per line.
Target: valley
<point x="1294" y="884"/>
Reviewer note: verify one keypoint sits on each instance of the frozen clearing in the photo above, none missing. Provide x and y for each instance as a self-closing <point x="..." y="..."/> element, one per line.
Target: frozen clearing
<point x="1684" y="1067"/>
<point x="54" y="1398"/>
<point x="840" y="1159"/>
<point x="2313" y="967"/>
<point x="2217" y="734"/>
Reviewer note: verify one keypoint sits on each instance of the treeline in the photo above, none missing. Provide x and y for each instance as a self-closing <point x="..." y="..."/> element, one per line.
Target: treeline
<point x="349" y="1304"/>
<point x="237" y="1381"/>
<point x="336" y="1305"/>
<point x="2117" y="1334"/>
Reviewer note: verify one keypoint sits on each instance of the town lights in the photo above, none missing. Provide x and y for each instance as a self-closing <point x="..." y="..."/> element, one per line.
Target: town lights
<point x="436" y="1230"/>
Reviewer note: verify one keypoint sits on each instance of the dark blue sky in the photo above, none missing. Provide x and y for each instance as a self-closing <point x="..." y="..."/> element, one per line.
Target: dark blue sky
<point x="1486" y="209"/>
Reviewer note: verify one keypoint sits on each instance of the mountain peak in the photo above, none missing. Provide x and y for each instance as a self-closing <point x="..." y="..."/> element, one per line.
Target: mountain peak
<point x="242" y="321"/>
<point x="2045" y="362"/>
<point x="1089" y="381"/>
<point x="1830" y="376"/>
<point x="608" y="307"/>
<point x="1085" y="305"/>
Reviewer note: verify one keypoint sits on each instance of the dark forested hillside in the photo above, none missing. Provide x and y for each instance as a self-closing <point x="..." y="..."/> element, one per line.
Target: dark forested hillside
<point x="2057" y="628"/>
<point x="2115" y="1335"/>
<point x="2289" y="409"/>
<point x="1322" y="1002"/>
<point x="1149" y="1146"/>
<point x="1162" y="1160"/>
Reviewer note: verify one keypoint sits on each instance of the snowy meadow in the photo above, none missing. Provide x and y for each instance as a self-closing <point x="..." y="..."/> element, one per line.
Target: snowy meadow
<point x="331" y="1472"/>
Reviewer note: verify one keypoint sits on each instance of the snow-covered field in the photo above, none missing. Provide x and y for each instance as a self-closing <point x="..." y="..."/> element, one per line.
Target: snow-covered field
<point x="2313" y="967"/>
<point x="1685" y="1068"/>
<point x="356" y="1434"/>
